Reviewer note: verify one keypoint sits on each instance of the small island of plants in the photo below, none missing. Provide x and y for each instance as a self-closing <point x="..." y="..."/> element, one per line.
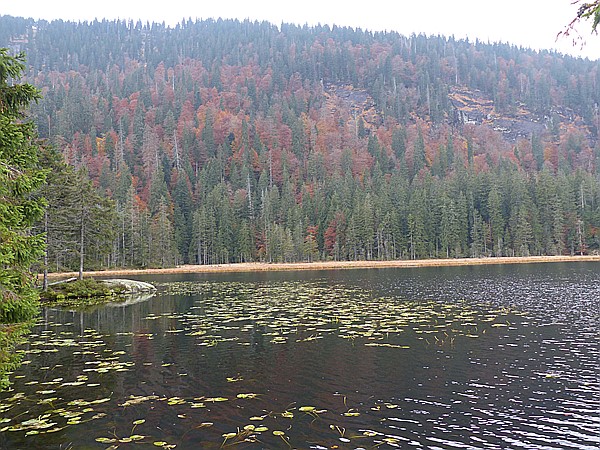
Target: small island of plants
<point x="90" y="291"/>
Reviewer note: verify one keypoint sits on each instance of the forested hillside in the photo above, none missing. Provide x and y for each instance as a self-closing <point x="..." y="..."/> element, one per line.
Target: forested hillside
<point x="226" y="141"/>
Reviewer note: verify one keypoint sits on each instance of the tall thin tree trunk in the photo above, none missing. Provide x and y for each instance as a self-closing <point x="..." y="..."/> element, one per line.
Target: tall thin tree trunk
<point x="45" y="281"/>
<point x="81" y="233"/>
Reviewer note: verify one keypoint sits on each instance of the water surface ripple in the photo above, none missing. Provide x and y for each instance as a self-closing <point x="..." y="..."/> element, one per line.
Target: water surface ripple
<point x="491" y="357"/>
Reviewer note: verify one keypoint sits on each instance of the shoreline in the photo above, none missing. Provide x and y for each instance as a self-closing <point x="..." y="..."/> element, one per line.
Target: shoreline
<point x="331" y="265"/>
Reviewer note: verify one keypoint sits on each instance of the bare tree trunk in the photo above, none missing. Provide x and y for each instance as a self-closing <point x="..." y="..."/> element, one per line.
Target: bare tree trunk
<point x="81" y="249"/>
<point x="45" y="281"/>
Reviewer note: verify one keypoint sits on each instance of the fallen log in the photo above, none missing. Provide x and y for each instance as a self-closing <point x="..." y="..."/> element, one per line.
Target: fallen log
<point x="68" y="280"/>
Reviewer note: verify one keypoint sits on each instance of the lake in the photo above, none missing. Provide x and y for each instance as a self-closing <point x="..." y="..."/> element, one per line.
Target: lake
<point x="490" y="357"/>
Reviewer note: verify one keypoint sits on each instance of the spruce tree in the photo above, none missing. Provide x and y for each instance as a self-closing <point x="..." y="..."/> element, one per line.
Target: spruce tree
<point x="20" y="177"/>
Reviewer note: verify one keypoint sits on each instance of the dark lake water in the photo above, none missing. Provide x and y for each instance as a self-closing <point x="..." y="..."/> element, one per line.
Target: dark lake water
<point x="490" y="357"/>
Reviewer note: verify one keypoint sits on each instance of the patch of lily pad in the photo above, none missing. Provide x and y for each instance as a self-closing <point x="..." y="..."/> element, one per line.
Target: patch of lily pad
<point x="293" y="312"/>
<point x="232" y="313"/>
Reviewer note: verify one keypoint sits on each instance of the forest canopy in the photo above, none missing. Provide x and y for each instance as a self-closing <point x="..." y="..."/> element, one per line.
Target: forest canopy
<point x="226" y="141"/>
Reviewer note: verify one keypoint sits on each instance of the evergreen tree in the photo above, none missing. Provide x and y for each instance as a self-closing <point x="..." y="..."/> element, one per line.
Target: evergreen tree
<point x="522" y="233"/>
<point x="477" y="236"/>
<point x="20" y="176"/>
<point x="162" y="245"/>
<point x="448" y="225"/>
<point x="496" y="221"/>
<point x="93" y="216"/>
<point x="56" y="225"/>
<point x="419" y="154"/>
<point x="182" y="215"/>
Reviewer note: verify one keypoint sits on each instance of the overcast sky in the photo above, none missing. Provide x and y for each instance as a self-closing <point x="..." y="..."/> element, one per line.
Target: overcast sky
<point x="528" y="23"/>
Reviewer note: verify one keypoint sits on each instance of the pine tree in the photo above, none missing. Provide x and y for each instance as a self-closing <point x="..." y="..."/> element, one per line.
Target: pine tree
<point x="496" y="221"/>
<point x="56" y="225"/>
<point x="477" y="235"/>
<point x="522" y="233"/>
<point x="162" y="245"/>
<point x="93" y="216"/>
<point x="448" y="225"/>
<point x="419" y="154"/>
<point x="20" y="176"/>
<point x="182" y="215"/>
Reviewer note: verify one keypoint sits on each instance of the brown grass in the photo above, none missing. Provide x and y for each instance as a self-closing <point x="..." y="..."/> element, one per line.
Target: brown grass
<point x="330" y="265"/>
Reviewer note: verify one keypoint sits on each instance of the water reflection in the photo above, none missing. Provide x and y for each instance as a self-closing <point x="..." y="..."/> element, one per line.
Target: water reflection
<point x="488" y="357"/>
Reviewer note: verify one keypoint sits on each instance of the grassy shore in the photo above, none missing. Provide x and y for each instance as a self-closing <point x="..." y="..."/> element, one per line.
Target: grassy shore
<point x="330" y="265"/>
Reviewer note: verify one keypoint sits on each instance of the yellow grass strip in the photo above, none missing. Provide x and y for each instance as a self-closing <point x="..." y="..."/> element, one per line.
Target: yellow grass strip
<point x="331" y="265"/>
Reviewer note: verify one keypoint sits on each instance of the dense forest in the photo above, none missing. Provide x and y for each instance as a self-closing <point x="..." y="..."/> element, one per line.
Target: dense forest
<point x="226" y="141"/>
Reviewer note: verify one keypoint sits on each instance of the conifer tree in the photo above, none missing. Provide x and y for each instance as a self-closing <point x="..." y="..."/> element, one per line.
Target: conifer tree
<point x="20" y="176"/>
